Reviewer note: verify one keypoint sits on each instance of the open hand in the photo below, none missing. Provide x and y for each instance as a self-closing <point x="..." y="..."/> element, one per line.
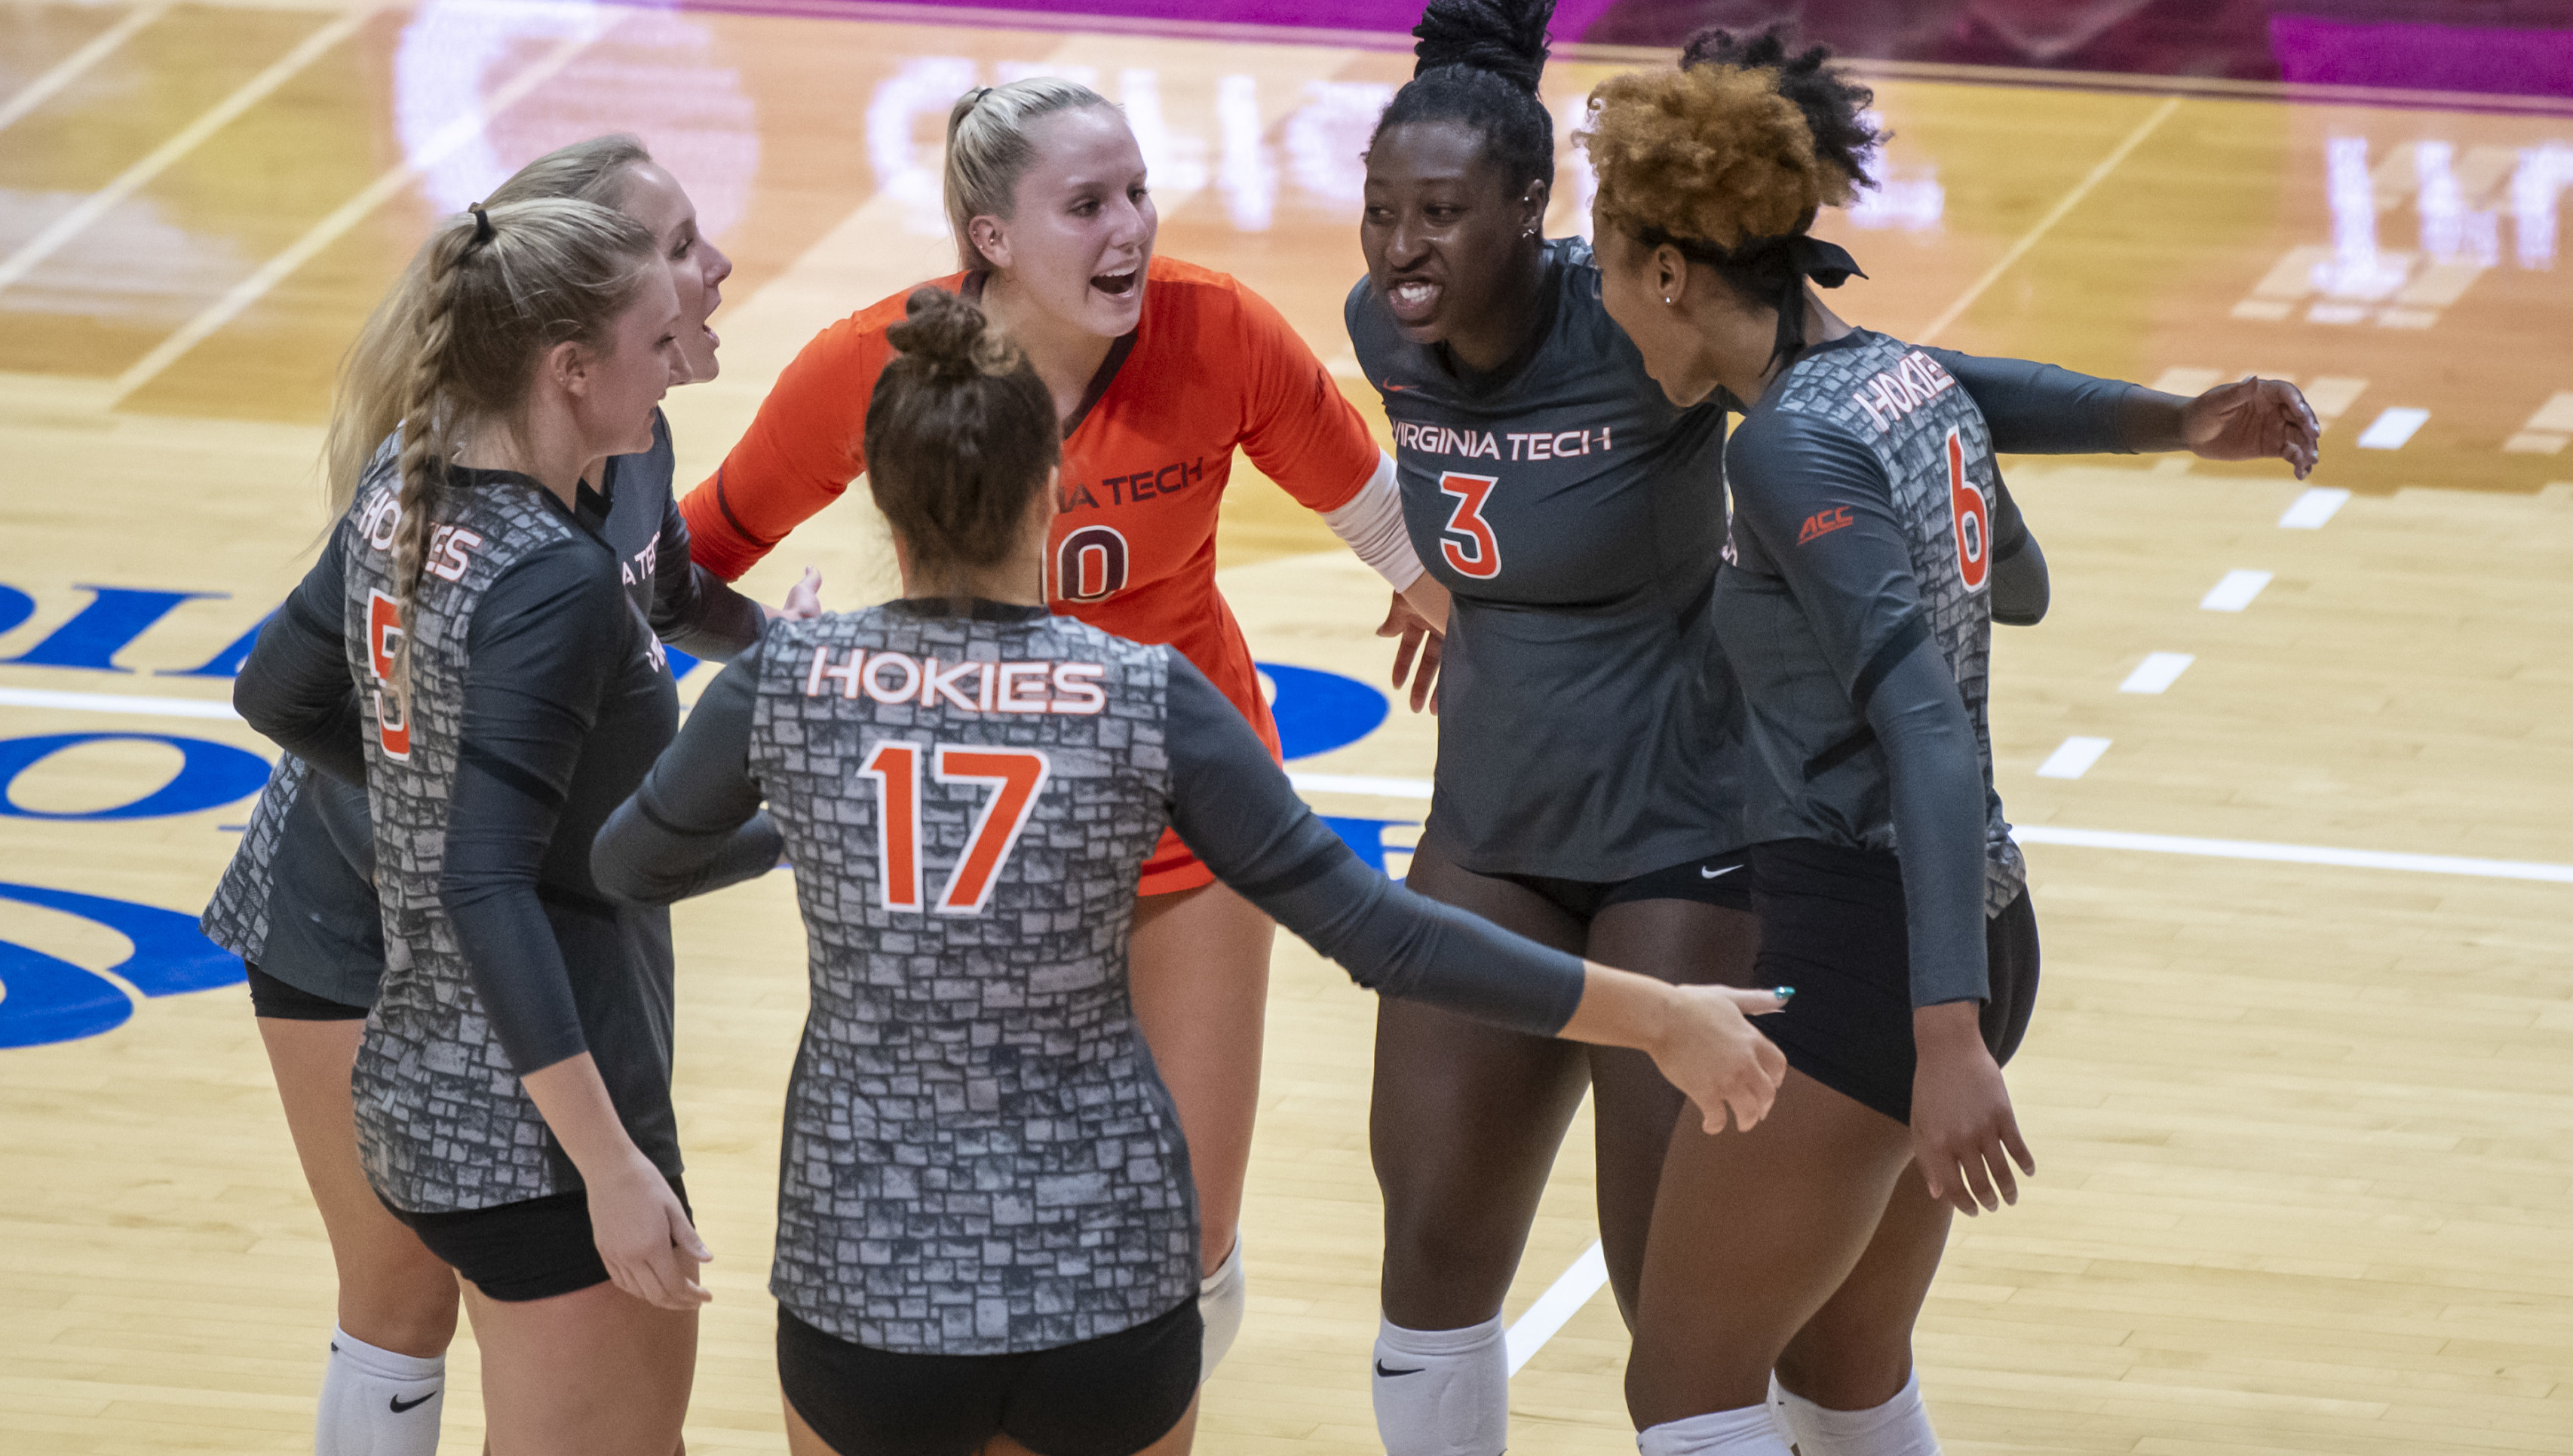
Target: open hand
<point x="650" y="1249"/>
<point x="1964" y="1134"/>
<point x="1421" y="639"/>
<point x="2254" y="419"/>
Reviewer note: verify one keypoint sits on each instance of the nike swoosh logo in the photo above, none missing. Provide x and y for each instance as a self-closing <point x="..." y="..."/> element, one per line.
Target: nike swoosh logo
<point x="400" y="1405"/>
<point x="1389" y="1375"/>
<point x="1704" y="873"/>
<point x="1392" y="388"/>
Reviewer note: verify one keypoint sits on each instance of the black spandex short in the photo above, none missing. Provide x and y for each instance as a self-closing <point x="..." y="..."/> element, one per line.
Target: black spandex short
<point x="1110" y="1397"/>
<point x="1723" y="879"/>
<point x="1832" y="926"/>
<point x="514" y="1252"/>
<point x="274" y="999"/>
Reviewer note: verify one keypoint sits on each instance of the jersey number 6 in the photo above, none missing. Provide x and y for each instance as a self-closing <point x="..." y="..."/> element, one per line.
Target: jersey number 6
<point x="1479" y="554"/>
<point x="1017" y="775"/>
<point x="1973" y="519"/>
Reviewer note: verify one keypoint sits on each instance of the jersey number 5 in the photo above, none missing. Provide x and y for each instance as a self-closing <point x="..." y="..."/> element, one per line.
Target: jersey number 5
<point x="1479" y="554"/>
<point x="383" y="624"/>
<point x="1017" y="775"/>
<point x="1973" y="519"/>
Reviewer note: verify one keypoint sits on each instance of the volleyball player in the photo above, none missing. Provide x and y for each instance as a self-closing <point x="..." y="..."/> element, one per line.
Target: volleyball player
<point x="298" y="903"/>
<point x="467" y="649"/>
<point x="1589" y="789"/>
<point x="1157" y="369"/>
<point x="986" y="1231"/>
<point x="1856" y="616"/>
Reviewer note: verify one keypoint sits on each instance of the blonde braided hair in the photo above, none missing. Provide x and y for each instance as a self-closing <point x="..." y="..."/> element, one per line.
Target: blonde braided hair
<point x="490" y="292"/>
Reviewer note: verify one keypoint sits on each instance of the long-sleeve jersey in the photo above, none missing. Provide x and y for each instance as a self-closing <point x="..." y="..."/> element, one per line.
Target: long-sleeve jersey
<point x="979" y="1155"/>
<point x="1211" y="367"/>
<point x="538" y="697"/>
<point x="1588" y="729"/>
<point x="1857" y="615"/>
<point x="298" y="899"/>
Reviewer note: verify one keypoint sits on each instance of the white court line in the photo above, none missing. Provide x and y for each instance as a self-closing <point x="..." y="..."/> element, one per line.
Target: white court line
<point x="2156" y="672"/>
<point x="1348" y="784"/>
<point x="2393" y="428"/>
<point x="2293" y="854"/>
<point x="1561" y="1300"/>
<point x="329" y="230"/>
<point x="2163" y="844"/>
<point x="167" y="155"/>
<point x="2072" y="758"/>
<point x="2235" y="592"/>
<point x="117" y="703"/>
<point x="76" y="65"/>
<point x="2308" y="511"/>
<point x="2070" y="200"/>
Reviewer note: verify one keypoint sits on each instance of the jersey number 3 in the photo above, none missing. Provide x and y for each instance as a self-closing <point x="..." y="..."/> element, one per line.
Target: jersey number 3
<point x="1478" y="554"/>
<point x="1971" y="517"/>
<point x="1017" y="775"/>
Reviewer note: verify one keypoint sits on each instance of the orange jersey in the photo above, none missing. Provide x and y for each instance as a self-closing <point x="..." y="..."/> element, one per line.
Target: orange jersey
<point x="1209" y="367"/>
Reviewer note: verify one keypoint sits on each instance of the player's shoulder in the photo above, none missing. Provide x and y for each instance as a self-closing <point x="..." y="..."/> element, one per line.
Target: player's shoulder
<point x="866" y="328"/>
<point x="1208" y="301"/>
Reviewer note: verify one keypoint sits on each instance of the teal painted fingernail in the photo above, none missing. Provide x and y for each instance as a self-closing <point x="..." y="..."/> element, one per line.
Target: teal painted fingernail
<point x="1784" y="992"/>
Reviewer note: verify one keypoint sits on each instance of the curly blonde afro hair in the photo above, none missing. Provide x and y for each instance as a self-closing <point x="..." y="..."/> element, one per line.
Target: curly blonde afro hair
<point x="1723" y="150"/>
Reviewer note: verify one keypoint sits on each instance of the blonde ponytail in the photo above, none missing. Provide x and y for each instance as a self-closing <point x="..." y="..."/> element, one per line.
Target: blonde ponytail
<point x="489" y="293"/>
<point x="367" y="398"/>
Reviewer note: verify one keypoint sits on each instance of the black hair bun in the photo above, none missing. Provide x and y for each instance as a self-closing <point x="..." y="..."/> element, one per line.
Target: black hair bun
<point x="1834" y="106"/>
<point x="951" y="336"/>
<point x="1504" y="37"/>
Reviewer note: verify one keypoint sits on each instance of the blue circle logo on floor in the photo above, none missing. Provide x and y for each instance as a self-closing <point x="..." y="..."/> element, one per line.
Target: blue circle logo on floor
<point x="1319" y="711"/>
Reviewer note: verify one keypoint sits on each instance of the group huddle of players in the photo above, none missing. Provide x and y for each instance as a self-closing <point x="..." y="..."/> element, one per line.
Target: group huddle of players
<point x="1712" y="712"/>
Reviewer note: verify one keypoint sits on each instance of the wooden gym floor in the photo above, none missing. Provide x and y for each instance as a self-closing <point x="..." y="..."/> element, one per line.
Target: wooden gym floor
<point x="2302" y="1080"/>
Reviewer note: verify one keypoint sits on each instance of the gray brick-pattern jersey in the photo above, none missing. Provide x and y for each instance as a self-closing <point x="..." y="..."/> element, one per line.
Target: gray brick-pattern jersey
<point x="442" y="1123"/>
<point x="236" y="917"/>
<point x="1902" y="404"/>
<point x="980" y="1157"/>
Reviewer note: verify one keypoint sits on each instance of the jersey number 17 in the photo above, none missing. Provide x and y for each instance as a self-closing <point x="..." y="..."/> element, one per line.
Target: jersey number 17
<point x="1017" y="775"/>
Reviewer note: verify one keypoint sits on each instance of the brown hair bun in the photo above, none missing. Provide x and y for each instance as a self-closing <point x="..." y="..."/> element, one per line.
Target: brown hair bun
<point x="960" y="435"/>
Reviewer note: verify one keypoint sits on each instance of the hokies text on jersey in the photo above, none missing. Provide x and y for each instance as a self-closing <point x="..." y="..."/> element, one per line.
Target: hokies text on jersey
<point x="974" y="687"/>
<point x="1890" y="394"/>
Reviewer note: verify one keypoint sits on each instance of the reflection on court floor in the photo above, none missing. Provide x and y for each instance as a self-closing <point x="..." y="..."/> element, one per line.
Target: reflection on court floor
<point x="2289" y="757"/>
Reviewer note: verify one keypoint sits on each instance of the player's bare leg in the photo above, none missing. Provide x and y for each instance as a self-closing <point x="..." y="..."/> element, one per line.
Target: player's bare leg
<point x="393" y="1293"/>
<point x="1201" y="990"/>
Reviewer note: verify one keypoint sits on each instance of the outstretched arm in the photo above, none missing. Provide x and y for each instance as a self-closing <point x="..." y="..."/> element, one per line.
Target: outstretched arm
<point x="1236" y="810"/>
<point x="694" y="825"/>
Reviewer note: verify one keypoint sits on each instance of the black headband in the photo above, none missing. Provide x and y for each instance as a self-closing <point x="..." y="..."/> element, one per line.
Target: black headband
<point x="483" y="229"/>
<point x="1776" y="265"/>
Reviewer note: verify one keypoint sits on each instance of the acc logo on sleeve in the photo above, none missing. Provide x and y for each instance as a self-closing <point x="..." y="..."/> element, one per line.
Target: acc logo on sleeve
<point x="1823" y="523"/>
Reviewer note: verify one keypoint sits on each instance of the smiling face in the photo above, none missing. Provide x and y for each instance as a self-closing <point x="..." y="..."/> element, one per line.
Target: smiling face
<point x="1081" y="225"/>
<point x="1446" y="237"/>
<point x="618" y="379"/>
<point x="697" y="268"/>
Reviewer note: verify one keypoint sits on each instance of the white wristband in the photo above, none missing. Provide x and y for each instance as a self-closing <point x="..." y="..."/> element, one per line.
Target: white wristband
<point x="1371" y="524"/>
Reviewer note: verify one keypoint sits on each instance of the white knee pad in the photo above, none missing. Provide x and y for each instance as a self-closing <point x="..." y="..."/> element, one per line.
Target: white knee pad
<point x="1221" y="1296"/>
<point x="1746" y="1432"/>
<point x="378" y="1403"/>
<point x="1442" y="1392"/>
<point x="1899" y="1427"/>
